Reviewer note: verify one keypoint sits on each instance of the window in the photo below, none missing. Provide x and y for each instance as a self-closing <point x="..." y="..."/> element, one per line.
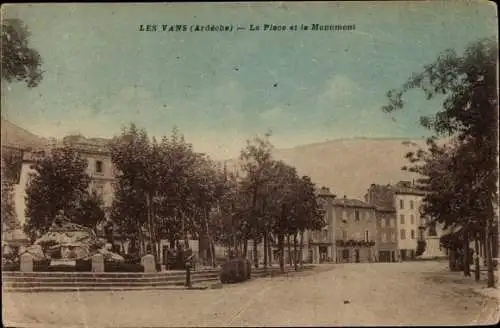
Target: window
<point x="367" y="235"/>
<point x="403" y="234"/>
<point x="421" y="234"/>
<point x="325" y="234"/>
<point x="393" y="236"/>
<point x="411" y="204"/>
<point x="412" y="234"/>
<point x="412" y="219"/>
<point x="382" y="223"/>
<point x="402" y="219"/>
<point x="344" y="216"/>
<point x="401" y="204"/>
<point x="344" y="235"/>
<point x="356" y="215"/>
<point x="423" y="221"/>
<point x="384" y="237"/>
<point x="392" y="223"/>
<point x="98" y="167"/>
<point x="432" y="229"/>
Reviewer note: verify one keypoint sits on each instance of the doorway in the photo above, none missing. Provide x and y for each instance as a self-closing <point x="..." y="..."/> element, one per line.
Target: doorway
<point x="356" y="252"/>
<point x="323" y="254"/>
<point x="345" y="255"/>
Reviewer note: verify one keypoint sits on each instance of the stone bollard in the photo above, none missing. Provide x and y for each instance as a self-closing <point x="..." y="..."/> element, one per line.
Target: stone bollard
<point x="98" y="263"/>
<point x="26" y="262"/>
<point x="148" y="262"/>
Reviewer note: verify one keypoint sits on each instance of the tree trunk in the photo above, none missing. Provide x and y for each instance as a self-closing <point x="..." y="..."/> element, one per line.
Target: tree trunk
<point x="453" y="260"/>
<point x="289" y="246"/>
<point x="255" y="254"/>
<point x="281" y="247"/>
<point x="245" y="248"/>
<point x="265" y="249"/>
<point x="466" y="255"/>
<point x="269" y="251"/>
<point x="301" y="253"/>
<point x="295" y="251"/>
<point x="489" y="259"/>
<point x="477" y="267"/>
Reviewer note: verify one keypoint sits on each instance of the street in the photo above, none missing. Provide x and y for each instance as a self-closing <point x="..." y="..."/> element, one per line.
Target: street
<point x="412" y="293"/>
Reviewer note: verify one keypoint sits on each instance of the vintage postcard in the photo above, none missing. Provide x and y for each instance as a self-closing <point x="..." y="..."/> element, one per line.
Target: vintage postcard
<point x="249" y="164"/>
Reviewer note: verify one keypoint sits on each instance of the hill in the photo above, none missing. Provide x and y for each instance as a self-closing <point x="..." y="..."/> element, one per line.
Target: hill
<point x="349" y="166"/>
<point x="14" y="136"/>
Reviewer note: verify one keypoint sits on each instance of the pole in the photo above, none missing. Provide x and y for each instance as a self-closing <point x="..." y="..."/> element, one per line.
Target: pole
<point x="491" y="277"/>
<point x="476" y="261"/>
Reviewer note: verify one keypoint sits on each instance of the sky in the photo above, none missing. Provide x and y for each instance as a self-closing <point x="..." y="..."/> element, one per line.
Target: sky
<point x="221" y="88"/>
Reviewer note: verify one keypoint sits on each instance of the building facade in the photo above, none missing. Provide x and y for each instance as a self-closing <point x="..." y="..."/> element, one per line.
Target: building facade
<point x="99" y="169"/>
<point x="355" y="231"/>
<point x="320" y="244"/>
<point x="407" y="202"/>
<point x="386" y="234"/>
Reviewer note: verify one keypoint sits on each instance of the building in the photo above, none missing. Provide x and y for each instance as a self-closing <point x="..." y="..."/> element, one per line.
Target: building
<point x="382" y="197"/>
<point x="319" y="245"/>
<point x="404" y="201"/>
<point x="407" y="202"/>
<point x="99" y="168"/>
<point x="386" y="234"/>
<point x="355" y="231"/>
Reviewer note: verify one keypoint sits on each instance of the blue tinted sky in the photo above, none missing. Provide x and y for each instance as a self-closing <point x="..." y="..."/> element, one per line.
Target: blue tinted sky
<point x="218" y="88"/>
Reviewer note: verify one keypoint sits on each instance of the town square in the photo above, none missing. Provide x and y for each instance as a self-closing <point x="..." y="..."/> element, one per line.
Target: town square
<point x="242" y="171"/>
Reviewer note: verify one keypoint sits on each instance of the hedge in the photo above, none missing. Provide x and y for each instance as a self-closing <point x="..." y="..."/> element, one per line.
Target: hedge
<point x="235" y="270"/>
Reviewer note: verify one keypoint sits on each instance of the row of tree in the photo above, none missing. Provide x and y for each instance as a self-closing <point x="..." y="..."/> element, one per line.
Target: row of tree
<point x="460" y="176"/>
<point x="164" y="190"/>
<point x="171" y="192"/>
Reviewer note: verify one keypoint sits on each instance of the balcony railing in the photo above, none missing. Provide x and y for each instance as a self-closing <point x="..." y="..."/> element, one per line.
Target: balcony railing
<point x="354" y="243"/>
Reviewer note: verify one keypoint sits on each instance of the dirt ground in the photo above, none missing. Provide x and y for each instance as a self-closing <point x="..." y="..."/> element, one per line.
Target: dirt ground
<point x="413" y="293"/>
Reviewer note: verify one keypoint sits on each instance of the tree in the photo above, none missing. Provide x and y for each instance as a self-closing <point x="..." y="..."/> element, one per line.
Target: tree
<point x="256" y="164"/>
<point x="19" y="61"/>
<point x="89" y="211"/>
<point x="468" y="86"/>
<point x="59" y="182"/>
<point x="9" y="217"/>
<point x="136" y="182"/>
<point x="310" y="211"/>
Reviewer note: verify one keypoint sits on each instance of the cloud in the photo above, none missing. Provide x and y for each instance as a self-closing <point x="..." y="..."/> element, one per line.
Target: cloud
<point x="131" y="104"/>
<point x="339" y="91"/>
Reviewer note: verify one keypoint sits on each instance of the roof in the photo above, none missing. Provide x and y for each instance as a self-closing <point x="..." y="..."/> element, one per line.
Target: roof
<point x="385" y="209"/>
<point x="14" y="136"/>
<point x="409" y="191"/>
<point x="351" y="203"/>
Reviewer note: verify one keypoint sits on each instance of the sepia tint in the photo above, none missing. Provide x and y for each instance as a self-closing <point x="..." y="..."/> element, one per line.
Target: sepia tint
<point x="249" y="164"/>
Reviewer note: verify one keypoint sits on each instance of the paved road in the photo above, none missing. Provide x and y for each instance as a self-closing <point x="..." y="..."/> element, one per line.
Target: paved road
<point x="418" y="293"/>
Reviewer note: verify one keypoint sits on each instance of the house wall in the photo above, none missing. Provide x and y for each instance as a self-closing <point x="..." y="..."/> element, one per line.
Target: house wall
<point x="386" y="230"/>
<point x="101" y="182"/>
<point x="349" y="228"/>
<point x="412" y="220"/>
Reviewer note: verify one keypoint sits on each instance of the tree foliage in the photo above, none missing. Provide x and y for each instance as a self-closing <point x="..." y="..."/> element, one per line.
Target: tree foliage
<point x="460" y="177"/>
<point x="19" y="61"/>
<point x="9" y="217"/>
<point x="90" y="212"/>
<point x="60" y="182"/>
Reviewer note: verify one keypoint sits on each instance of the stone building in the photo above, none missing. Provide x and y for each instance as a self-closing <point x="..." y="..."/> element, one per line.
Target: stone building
<point x="99" y="168"/>
<point x="386" y="234"/>
<point x="403" y="201"/>
<point x="319" y="245"/>
<point x="355" y="231"/>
